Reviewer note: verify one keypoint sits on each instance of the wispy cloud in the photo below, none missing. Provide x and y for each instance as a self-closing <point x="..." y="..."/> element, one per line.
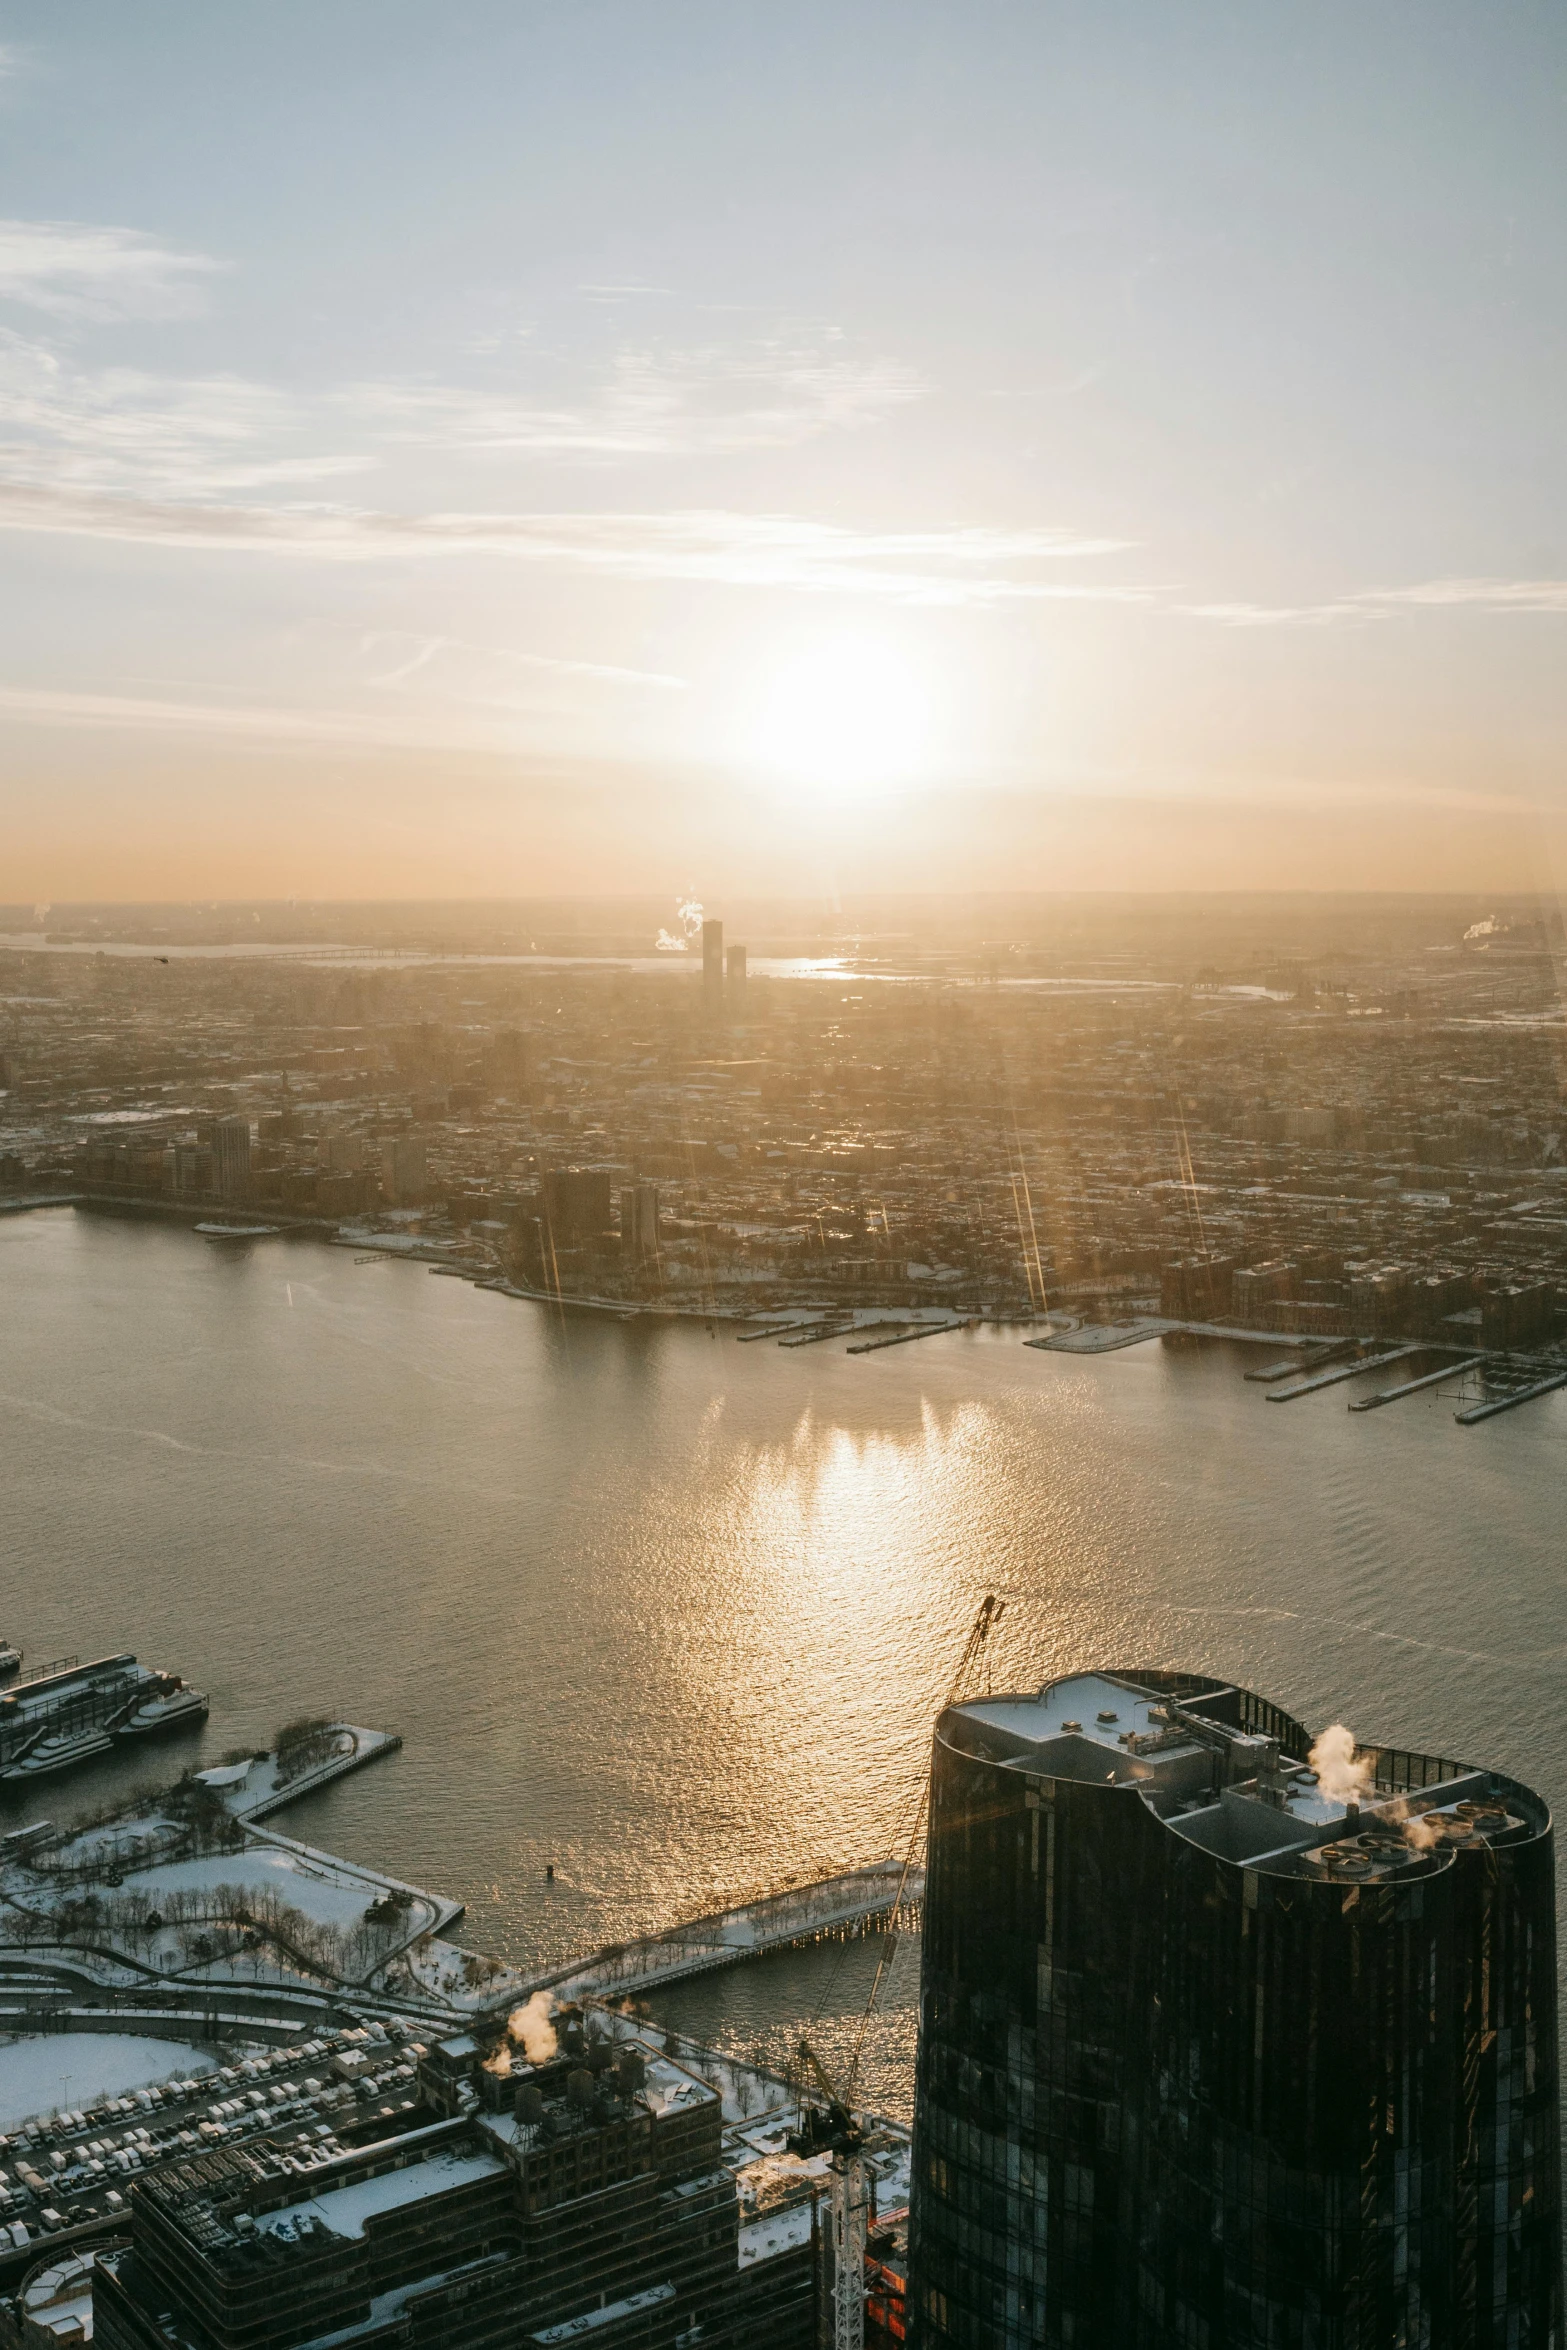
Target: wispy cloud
<point x="1244" y="615"/>
<point x="431" y="652"/>
<point x="720" y="398"/>
<point x="78" y="271"/>
<point x="53" y="707"/>
<point x="473" y="726"/>
<point x="64" y="426"/>
<point x="1495" y="595"/>
<point x="950" y="567"/>
<point x="1384" y="603"/>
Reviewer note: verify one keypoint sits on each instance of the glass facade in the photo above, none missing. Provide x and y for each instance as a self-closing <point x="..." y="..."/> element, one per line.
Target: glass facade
<point x="1211" y="2059"/>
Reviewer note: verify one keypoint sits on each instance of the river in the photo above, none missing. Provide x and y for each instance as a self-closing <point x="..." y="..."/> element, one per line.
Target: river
<point x="673" y="1615"/>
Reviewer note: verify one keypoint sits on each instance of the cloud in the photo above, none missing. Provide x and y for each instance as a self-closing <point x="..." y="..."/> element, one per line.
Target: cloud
<point x="77" y="271"/>
<point x="713" y="400"/>
<point x="120" y="428"/>
<point x="431" y="651"/>
<point x="1242" y="615"/>
<point x="424" y="729"/>
<point x="951" y="567"/>
<point x="1495" y="595"/>
<point x="50" y="707"/>
<point x="1489" y="595"/>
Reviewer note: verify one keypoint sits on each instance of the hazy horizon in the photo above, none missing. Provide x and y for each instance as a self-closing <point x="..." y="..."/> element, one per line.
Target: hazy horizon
<point x="530" y="451"/>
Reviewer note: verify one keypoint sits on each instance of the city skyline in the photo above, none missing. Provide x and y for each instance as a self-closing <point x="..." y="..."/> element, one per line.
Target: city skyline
<point x="579" y="450"/>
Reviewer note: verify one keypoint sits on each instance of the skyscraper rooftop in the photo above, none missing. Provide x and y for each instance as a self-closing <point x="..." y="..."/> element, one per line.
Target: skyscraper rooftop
<point x="1230" y="2034"/>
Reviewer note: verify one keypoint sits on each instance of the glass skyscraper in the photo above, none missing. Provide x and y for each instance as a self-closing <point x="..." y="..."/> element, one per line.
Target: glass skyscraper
<point x="1221" y="2052"/>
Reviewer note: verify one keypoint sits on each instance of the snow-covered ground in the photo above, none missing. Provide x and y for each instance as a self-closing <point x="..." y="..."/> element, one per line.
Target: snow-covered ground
<point x="253" y="1787"/>
<point x="77" y="2068"/>
<point x="331" y="1899"/>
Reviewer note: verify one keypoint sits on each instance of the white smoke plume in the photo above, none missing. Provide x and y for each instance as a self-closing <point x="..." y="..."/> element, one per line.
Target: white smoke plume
<point x="530" y="2026"/>
<point x="688" y="913"/>
<point x="1342" y="1775"/>
<point x="1419" y="1832"/>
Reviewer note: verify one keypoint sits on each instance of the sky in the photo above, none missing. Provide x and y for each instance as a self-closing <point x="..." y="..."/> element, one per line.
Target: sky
<point x="617" y="445"/>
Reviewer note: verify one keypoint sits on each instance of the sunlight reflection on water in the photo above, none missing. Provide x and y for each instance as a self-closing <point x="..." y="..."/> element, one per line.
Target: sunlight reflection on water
<point x="674" y="1614"/>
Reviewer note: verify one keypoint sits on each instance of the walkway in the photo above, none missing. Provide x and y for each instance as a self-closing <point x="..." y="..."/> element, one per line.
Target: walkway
<point x="799" y="1913"/>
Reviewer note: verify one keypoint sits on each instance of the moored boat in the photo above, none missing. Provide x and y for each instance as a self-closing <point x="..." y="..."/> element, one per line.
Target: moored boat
<point x="59" y="1750"/>
<point x="165" y="1704"/>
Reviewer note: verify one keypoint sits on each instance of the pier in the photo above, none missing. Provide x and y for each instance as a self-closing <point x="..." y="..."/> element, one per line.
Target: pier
<point x="1101" y="1338"/>
<point x="1507" y="1403"/>
<point x="775" y="1921"/>
<point x="1372" y="1403"/>
<point x="870" y="1346"/>
<point x="815" y="1333"/>
<point x="1341" y="1371"/>
<point x="253" y="1790"/>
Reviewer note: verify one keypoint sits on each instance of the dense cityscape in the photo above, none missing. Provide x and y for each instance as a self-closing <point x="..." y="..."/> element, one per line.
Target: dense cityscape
<point x="1362" y="1134"/>
<point x="878" y="682"/>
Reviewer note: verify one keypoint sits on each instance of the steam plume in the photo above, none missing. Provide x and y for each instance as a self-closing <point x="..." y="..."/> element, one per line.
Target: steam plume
<point x="530" y="2025"/>
<point x="1418" y="1832"/>
<point x="1343" y="1775"/>
<point x="688" y="913"/>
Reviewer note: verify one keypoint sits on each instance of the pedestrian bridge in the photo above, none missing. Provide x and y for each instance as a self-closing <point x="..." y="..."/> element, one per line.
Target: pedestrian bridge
<point x="782" y="1920"/>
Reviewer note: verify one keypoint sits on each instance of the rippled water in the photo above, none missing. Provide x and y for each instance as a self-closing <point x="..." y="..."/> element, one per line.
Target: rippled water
<point x="675" y="1614"/>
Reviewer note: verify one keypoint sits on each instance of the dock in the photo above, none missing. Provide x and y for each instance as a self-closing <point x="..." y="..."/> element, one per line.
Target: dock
<point x="1507" y="1403"/>
<point x="1374" y="1403"/>
<point x="1397" y="1354"/>
<point x="815" y="1333"/>
<point x="1099" y="1338"/>
<point x="870" y="1346"/>
<point x="1317" y="1360"/>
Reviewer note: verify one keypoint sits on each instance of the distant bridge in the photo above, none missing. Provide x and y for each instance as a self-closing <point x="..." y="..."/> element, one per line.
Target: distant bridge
<point x="775" y="1921"/>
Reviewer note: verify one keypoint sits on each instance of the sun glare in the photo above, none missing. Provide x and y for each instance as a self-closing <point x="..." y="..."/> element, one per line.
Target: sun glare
<point x="847" y="714"/>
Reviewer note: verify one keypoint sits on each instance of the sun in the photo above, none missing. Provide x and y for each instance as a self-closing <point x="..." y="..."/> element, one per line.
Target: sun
<point x="846" y="714"/>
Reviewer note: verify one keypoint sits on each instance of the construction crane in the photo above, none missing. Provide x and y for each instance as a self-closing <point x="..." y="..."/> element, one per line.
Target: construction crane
<point x="830" y="2126"/>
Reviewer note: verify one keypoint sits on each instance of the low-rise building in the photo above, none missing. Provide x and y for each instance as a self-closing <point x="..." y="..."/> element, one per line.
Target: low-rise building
<point x="584" y="2198"/>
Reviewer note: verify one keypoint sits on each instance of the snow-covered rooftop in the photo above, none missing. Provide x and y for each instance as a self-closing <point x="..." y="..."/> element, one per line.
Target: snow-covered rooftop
<point x="346" y="2209"/>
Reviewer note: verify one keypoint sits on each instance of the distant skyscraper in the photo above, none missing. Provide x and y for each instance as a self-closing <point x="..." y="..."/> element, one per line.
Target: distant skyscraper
<point x="403" y="1170"/>
<point x="737" y="985"/>
<point x="576" y="1204"/>
<point x="713" y="970"/>
<point x="1217" y="2049"/>
<point x="231" y="1156"/>
<point x="639" y="1220"/>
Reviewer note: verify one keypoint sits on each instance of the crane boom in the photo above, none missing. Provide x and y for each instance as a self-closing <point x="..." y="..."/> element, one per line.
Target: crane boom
<point x="990" y="1613"/>
<point x="847" y="2195"/>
